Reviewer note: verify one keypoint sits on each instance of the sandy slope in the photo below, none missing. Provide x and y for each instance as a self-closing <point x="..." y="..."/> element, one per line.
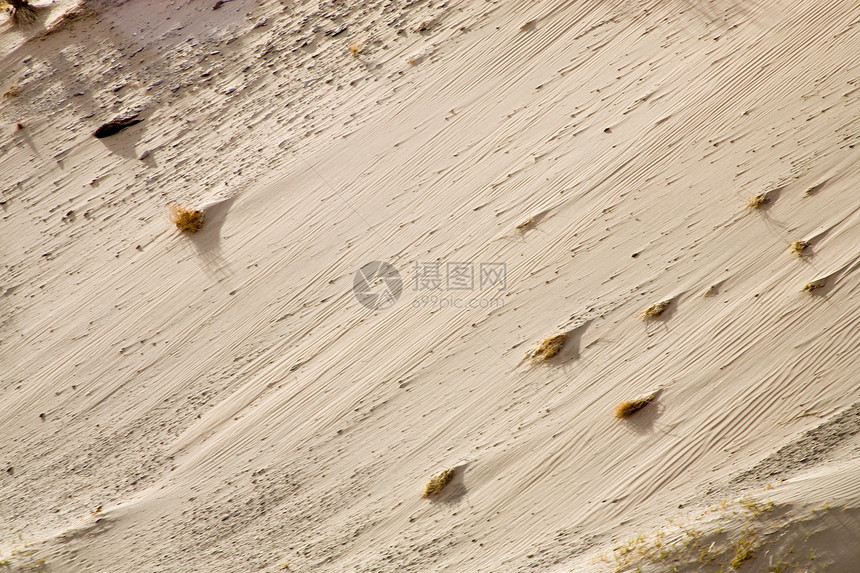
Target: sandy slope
<point x="221" y="402"/>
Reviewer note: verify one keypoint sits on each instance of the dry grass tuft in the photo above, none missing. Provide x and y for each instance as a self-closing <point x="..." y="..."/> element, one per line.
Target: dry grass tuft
<point x="186" y="219"/>
<point x="655" y="310"/>
<point x="798" y="246"/>
<point x="626" y="409"/>
<point x="438" y="482"/>
<point x="814" y="189"/>
<point x="528" y="223"/>
<point x="549" y="347"/>
<point x="356" y="48"/>
<point x="745" y="548"/>
<point x="23" y="13"/>
<point x="756" y="509"/>
<point x="13" y="91"/>
<point x="813" y="285"/>
<point x="757" y="202"/>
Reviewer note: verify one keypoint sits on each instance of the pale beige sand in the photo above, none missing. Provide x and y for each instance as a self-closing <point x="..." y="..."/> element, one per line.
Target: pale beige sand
<point x="221" y="401"/>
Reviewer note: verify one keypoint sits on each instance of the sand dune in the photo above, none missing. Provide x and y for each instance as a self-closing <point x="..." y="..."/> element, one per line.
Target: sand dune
<point x="223" y="401"/>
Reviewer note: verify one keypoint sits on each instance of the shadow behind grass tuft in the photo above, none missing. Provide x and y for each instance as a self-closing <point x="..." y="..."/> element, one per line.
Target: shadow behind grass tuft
<point x="185" y="219"/>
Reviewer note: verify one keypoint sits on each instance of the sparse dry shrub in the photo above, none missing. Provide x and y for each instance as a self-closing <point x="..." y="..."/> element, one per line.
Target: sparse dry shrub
<point x="655" y="310"/>
<point x="527" y="224"/>
<point x="756" y="508"/>
<point x="549" y="347"/>
<point x="798" y="246"/>
<point x="438" y="482"/>
<point x="625" y="409"/>
<point x="22" y="12"/>
<point x="355" y="48"/>
<point x="13" y="91"/>
<point x="813" y="286"/>
<point x="814" y="189"/>
<point x="757" y="201"/>
<point x="745" y="548"/>
<point x="186" y="219"/>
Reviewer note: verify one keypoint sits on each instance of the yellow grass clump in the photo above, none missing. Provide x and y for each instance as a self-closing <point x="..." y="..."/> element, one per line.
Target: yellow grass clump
<point x="438" y="482"/>
<point x="13" y="91"/>
<point x="526" y="224"/>
<point x="186" y="219"/>
<point x="356" y="48"/>
<point x="625" y="409"/>
<point x="798" y="246"/>
<point x="549" y="347"/>
<point x="813" y="285"/>
<point x="757" y="201"/>
<point x="745" y="548"/>
<point x="655" y="310"/>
